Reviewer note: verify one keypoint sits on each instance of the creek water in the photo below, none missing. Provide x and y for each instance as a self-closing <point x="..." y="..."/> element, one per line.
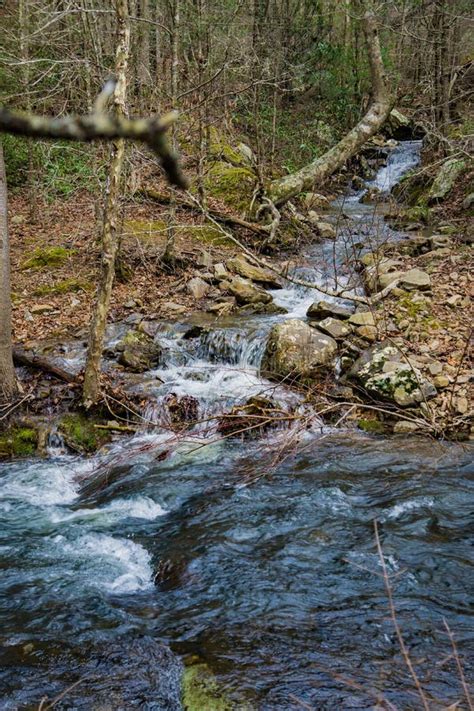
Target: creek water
<point x="263" y="565"/>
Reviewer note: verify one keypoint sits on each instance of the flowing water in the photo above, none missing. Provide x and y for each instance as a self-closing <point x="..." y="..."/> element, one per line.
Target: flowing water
<point x="258" y="559"/>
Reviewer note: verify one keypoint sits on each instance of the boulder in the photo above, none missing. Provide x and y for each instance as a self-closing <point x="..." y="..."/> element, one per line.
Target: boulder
<point x="138" y="351"/>
<point x="247" y="293"/>
<point x="383" y="372"/>
<point x="362" y="318"/>
<point x="295" y="350"/>
<point x="323" y="309"/>
<point x="398" y="125"/>
<point x="415" y="279"/>
<point x="325" y="230"/>
<point x="445" y="179"/>
<point x="240" y="266"/>
<point x="197" y="287"/>
<point x="334" y="328"/>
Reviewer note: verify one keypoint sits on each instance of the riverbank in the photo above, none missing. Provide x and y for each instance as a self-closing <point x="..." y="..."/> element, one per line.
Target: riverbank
<point x="420" y="385"/>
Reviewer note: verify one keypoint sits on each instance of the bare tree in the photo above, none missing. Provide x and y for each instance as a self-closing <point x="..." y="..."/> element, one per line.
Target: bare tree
<point x="8" y="384"/>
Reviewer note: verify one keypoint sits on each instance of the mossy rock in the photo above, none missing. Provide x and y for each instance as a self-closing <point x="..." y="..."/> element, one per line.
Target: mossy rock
<point x="231" y="184"/>
<point x="47" y="257"/>
<point x="371" y="426"/>
<point x="221" y="149"/>
<point x="413" y="188"/>
<point x="68" y="286"/>
<point x="80" y="435"/>
<point x="18" y="442"/>
<point x="138" y="352"/>
<point x="202" y="692"/>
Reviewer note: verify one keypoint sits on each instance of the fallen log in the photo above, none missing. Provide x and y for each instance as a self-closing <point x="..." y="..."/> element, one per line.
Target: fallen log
<point x="180" y="201"/>
<point x="39" y="362"/>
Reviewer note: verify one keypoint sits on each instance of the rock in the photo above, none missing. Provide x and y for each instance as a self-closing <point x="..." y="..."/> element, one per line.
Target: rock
<point x="362" y="318"/>
<point x="334" y="328"/>
<point x="440" y="241"/>
<point x="197" y="287"/>
<point x="323" y="309"/>
<point x="205" y="260"/>
<point x="370" y="333"/>
<point x="183" y="411"/>
<point x="313" y="218"/>
<point x="326" y="230"/>
<point x="171" y="306"/>
<point x="243" y="268"/>
<point x="468" y="202"/>
<point x="247" y="154"/>
<point x="220" y="271"/>
<point x="241" y="421"/>
<point x="358" y="183"/>
<point x="224" y="285"/>
<point x="295" y="350"/>
<point x="435" y="368"/>
<point x="441" y="381"/>
<point x="222" y="308"/>
<point x="312" y="200"/>
<point x="138" y="352"/>
<point x="398" y="126"/>
<point x="462" y="405"/>
<point x="405" y="427"/>
<point x="445" y="179"/>
<point x="247" y="293"/>
<point x="260" y="308"/>
<point x="384" y="373"/>
<point x="415" y="279"/>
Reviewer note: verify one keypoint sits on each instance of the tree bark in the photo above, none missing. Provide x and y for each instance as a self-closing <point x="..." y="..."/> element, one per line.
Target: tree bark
<point x="92" y="390"/>
<point x="8" y="384"/>
<point x="282" y="190"/>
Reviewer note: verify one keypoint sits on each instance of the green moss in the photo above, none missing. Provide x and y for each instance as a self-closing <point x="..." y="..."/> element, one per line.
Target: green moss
<point x="18" y="442"/>
<point x="47" y="257"/>
<point x="145" y="229"/>
<point x="233" y="185"/>
<point x="372" y="426"/>
<point x="222" y="150"/>
<point x="80" y="434"/>
<point x="63" y="287"/>
<point x="201" y="692"/>
<point x="205" y="233"/>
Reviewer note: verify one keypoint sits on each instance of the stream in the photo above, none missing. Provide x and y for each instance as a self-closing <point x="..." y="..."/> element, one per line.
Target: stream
<point x="267" y="573"/>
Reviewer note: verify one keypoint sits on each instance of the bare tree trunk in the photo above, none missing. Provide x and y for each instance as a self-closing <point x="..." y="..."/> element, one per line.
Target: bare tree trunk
<point x="91" y="392"/>
<point x="282" y="190"/>
<point x="8" y="384"/>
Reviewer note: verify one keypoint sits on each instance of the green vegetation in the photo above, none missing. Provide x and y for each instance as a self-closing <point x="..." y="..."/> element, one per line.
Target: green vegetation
<point x="371" y="425"/>
<point x="63" y="287"/>
<point x="47" y="257"/>
<point x="18" y="442"/>
<point x="201" y="692"/>
<point x="233" y="185"/>
<point x="80" y="434"/>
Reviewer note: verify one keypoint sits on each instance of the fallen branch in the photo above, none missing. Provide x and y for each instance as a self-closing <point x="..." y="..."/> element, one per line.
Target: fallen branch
<point x="216" y="214"/>
<point x="30" y="359"/>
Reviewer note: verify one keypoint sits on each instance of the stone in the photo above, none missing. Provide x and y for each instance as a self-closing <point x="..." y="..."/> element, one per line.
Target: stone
<point x="362" y="318"/>
<point x="220" y="271"/>
<point x="468" y="202"/>
<point x="370" y="333"/>
<point x="384" y="373"/>
<point x="138" y="352"/>
<point x="247" y="293"/>
<point x="441" y="381"/>
<point x="205" y="260"/>
<point x="445" y="179"/>
<point x="326" y="230"/>
<point x="39" y="309"/>
<point x="397" y="125"/>
<point x="440" y="241"/>
<point x="435" y="368"/>
<point x="312" y="200"/>
<point x="323" y="309"/>
<point x="247" y="154"/>
<point x="197" y="287"/>
<point x="313" y="217"/>
<point x="171" y="306"/>
<point x="334" y="328"/>
<point x="415" y="279"/>
<point x="405" y="427"/>
<point x="462" y="405"/>
<point x="240" y="266"/>
<point x="224" y="285"/>
<point x="296" y="351"/>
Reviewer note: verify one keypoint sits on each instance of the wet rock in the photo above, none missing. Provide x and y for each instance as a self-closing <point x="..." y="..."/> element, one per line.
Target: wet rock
<point x="296" y="351"/>
<point x="384" y="373"/>
<point x="195" y="332"/>
<point x="405" y="427"/>
<point x="362" y="318"/>
<point x="358" y="183"/>
<point x="445" y="179"/>
<point x="173" y="308"/>
<point x="323" y="309"/>
<point x="240" y="266"/>
<point x="334" y="327"/>
<point x="371" y="195"/>
<point x="138" y="352"/>
<point x="222" y="308"/>
<point x="260" y="308"/>
<point x="197" y="287"/>
<point x="252" y="419"/>
<point x="247" y="293"/>
<point x="183" y="411"/>
<point x="326" y="230"/>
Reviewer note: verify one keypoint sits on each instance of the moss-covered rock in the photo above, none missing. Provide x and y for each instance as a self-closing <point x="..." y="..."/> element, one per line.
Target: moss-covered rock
<point x="232" y="184"/>
<point x="221" y="149"/>
<point x="138" y="351"/>
<point x="67" y="286"/>
<point x="445" y="179"/>
<point x="80" y="433"/>
<point x="370" y="425"/>
<point x="18" y="442"/>
<point x="201" y="692"/>
<point x="43" y="257"/>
